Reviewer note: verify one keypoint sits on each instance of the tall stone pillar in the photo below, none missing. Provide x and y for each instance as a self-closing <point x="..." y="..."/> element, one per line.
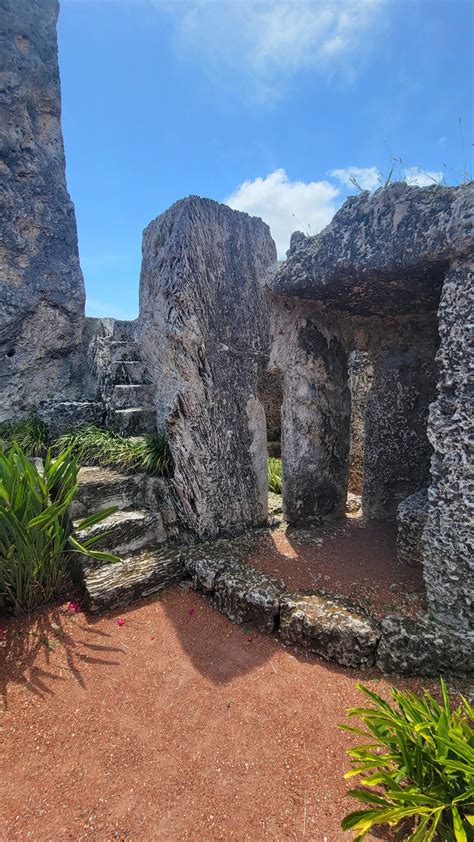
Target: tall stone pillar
<point x="41" y="285"/>
<point x="397" y="452"/>
<point x="204" y="336"/>
<point x="315" y="427"/>
<point x="448" y="538"/>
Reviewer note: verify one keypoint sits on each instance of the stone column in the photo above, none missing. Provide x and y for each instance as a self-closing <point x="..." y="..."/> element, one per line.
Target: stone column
<point x="448" y="538"/>
<point x="203" y="334"/>
<point x="41" y="285"/>
<point x="397" y="452"/>
<point x="315" y="427"/>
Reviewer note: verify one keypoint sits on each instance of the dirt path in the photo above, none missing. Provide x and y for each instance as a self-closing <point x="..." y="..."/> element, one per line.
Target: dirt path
<point x="175" y="725"/>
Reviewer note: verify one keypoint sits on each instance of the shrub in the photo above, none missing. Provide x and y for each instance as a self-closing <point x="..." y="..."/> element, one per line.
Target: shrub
<point x="36" y="532"/>
<point x="31" y="435"/>
<point x="96" y="446"/>
<point x="274" y="475"/>
<point x="418" y="763"/>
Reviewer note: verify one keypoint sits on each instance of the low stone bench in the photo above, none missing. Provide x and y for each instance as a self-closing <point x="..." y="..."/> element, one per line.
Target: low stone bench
<point x="412" y="514"/>
<point x="423" y="647"/>
<point x="243" y="593"/>
<point x="329" y="626"/>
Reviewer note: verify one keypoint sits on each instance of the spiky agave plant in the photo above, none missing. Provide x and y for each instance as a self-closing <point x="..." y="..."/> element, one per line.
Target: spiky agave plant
<point x="36" y="531"/>
<point x="417" y="762"/>
<point x="97" y="446"/>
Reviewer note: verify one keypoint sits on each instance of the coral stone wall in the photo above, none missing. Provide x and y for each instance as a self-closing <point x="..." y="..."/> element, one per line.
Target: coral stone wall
<point x="204" y="338"/>
<point x="41" y="284"/>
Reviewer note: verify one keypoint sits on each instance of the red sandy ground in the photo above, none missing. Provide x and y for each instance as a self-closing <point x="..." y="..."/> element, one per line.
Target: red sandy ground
<point x="177" y="725"/>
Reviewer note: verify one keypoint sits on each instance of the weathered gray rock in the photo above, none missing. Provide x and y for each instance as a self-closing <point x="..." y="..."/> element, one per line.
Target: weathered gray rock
<point x="315" y="413"/>
<point x="143" y="574"/>
<point x="203" y="334"/>
<point x="41" y="284"/>
<point x="449" y="534"/>
<point x="329" y="626"/>
<point x="411" y="520"/>
<point x="423" y="647"/>
<point x="383" y="253"/>
<point x="240" y="591"/>
<point x="361" y="374"/>
<point x="246" y="595"/>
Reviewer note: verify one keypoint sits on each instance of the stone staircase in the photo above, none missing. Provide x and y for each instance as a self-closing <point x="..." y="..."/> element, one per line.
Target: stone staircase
<point x="130" y="408"/>
<point x="142" y="532"/>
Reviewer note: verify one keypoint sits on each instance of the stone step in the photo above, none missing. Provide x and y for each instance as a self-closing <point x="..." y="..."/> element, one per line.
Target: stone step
<point x="132" y="395"/>
<point x="137" y="576"/>
<point x="124" y="330"/>
<point x="128" y="371"/>
<point x="124" y="350"/>
<point x="64" y="416"/>
<point x="128" y="531"/>
<point x="100" y="488"/>
<point x="134" y="421"/>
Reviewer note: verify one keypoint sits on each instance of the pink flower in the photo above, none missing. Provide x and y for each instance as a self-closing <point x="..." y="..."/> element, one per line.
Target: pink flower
<point x="120" y="621"/>
<point x="73" y="607"/>
<point x="192" y="612"/>
<point x="250" y="638"/>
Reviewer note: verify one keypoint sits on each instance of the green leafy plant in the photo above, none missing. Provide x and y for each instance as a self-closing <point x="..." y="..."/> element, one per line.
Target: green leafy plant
<point x="31" y="435"/>
<point x="274" y="475"/>
<point x="96" y="446"/>
<point x="417" y="762"/>
<point x="36" y="531"/>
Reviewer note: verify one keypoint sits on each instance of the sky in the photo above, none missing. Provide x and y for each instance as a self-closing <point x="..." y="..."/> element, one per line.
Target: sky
<point x="280" y="108"/>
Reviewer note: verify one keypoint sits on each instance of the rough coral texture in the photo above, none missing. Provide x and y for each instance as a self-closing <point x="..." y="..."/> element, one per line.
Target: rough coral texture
<point x="423" y="647"/>
<point x="41" y="284"/>
<point x="448" y="538"/>
<point x="411" y="520"/>
<point x="361" y="375"/>
<point x="204" y="337"/>
<point x="329" y="626"/>
<point x="383" y="253"/>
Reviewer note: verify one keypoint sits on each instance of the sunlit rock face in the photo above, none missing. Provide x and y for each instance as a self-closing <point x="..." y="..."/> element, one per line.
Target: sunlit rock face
<point x="204" y="337"/>
<point x="41" y="284"/>
<point x="383" y="253"/>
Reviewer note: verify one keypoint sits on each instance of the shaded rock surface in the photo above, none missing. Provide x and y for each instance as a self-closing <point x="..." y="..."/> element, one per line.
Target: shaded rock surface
<point x="411" y="520"/>
<point x="423" y="647"/>
<point x="204" y="337"/>
<point x="41" y="284"/>
<point x="329" y="626"/>
<point x="386" y="252"/>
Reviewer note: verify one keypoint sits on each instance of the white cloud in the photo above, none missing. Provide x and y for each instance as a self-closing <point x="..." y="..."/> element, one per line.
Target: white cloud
<point x="368" y="178"/>
<point x="286" y="205"/>
<point x="267" y="41"/>
<point x="422" y="178"/>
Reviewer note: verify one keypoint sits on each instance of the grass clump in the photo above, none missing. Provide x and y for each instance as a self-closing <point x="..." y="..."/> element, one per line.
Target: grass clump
<point x="30" y="435"/>
<point x="96" y="446"/>
<point x="36" y="531"/>
<point x="274" y="475"/>
<point x="416" y="763"/>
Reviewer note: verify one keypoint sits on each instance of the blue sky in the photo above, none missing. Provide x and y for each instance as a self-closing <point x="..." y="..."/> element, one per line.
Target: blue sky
<point x="271" y="106"/>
